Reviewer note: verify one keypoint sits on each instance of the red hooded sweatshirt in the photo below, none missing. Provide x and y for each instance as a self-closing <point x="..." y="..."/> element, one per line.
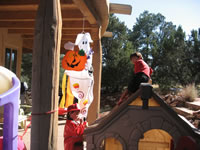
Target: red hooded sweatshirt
<point x="141" y="66"/>
<point x="73" y="133"/>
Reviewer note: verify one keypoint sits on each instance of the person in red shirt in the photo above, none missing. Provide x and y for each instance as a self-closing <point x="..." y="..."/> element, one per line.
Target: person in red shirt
<point x="142" y="74"/>
<point x="74" y="128"/>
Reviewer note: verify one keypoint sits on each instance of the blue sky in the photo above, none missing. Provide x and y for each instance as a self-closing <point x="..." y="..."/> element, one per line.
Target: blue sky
<point x="181" y="12"/>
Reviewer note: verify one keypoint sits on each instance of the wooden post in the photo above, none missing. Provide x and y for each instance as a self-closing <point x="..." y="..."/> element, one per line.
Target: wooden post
<point x="3" y="36"/>
<point x="45" y="75"/>
<point x="97" y="65"/>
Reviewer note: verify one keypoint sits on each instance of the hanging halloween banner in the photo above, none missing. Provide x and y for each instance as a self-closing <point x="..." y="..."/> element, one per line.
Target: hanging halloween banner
<point x="78" y="68"/>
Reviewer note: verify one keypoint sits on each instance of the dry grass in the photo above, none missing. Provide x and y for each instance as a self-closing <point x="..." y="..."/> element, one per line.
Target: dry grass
<point x="189" y="93"/>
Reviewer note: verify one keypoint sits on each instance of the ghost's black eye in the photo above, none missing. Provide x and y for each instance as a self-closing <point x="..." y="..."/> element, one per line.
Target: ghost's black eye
<point x="83" y="42"/>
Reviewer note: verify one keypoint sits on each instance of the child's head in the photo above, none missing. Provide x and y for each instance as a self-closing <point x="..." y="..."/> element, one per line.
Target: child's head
<point x="73" y="112"/>
<point x="135" y="56"/>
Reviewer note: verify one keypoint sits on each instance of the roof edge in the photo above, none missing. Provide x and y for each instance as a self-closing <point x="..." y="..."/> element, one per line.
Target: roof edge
<point x="100" y="123"/>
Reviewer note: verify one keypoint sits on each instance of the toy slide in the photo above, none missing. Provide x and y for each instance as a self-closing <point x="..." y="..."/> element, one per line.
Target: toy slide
<point x="9" y="98"/>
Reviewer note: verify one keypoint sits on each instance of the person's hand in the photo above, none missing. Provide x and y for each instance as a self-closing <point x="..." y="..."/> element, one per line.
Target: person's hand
<point x="81" y="121"/>
<point x="120" y="101"/>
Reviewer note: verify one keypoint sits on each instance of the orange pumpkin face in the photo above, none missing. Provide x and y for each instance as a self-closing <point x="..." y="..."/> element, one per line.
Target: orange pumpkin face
<point x="74" y="60"/>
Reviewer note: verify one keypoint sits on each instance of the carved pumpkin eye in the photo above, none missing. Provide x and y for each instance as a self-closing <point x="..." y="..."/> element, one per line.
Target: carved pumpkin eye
<point x="74" y="60"/>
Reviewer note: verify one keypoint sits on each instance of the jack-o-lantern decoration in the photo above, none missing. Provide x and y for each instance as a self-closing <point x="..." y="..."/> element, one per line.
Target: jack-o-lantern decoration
<point x="74" y="60"/>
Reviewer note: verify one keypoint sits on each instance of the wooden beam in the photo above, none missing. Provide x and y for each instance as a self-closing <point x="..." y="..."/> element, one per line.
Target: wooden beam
<point x="28" y="36"/>
<point x="71" y="14"/>
<point x="21" y="31"/>
<point x="31" y="25"/>
<point x="19" y="5"/>
<point x="17" y="24"/>
<point x="85" y="11"/>
<point x="76" y="25"/>
<point x="74" y="31"/>
<point x="120" y="8"/>
<point x="28" y="50"/>
<point x="45" y="75"/>
<point x="30" y="7"/>
<point x="68" y="6"/>
<point x="24" y="7"/>
<point x="67" y="37"/>
<point x="100" y="10"/>
<point x="20" y="2"/>
<point x="64" y="37"/>
<point x="28" y="43"/>
<point x="31" y="31"/>
<point x="17" y="15"/>
<point x="107" y="34"/>
<point x="67" y="15"/>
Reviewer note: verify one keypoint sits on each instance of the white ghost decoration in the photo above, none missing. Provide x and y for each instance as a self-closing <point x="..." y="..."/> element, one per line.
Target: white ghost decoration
<point x="83" y="41"/>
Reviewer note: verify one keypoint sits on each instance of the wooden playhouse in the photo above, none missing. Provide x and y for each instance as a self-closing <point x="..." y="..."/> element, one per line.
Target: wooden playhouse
<point x="143" y="122"/>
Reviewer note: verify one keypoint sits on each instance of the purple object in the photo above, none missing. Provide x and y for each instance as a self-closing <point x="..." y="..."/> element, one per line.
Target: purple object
<point x="10" y="100"/>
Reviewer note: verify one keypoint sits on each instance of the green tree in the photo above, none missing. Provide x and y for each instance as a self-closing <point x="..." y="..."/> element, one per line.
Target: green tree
<point x="26" y="68"/>
<point x="116" y="68"/>
<point x="170" y="67"/>
<point x="145" y="34"/>
<point x="163" y="47"/>
<point x="192" y="56"/>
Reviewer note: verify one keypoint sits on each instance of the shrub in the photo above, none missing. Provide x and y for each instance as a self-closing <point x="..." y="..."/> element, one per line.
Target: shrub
<point x="189" y="93"/>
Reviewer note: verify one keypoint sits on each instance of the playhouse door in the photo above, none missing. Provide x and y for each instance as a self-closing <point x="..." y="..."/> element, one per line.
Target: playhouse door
<point x="112" y="144"/>
<point x="155" y="139"/>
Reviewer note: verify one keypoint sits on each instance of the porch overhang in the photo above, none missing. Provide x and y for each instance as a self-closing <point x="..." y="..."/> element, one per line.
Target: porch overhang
<point x="18" y="16"/>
